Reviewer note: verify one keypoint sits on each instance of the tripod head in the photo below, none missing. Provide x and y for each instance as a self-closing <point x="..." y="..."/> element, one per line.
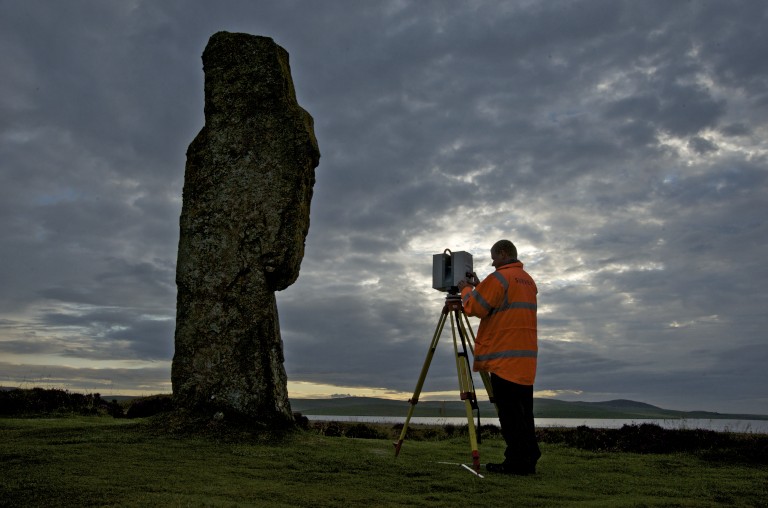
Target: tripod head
<point x="453" y="302"/>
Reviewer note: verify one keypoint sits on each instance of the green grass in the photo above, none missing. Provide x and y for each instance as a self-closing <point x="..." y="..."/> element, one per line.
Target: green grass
<point x="98" y="461"/>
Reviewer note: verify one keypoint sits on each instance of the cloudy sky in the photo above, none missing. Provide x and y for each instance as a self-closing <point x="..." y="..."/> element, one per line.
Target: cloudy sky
<point x="621" y="145"/>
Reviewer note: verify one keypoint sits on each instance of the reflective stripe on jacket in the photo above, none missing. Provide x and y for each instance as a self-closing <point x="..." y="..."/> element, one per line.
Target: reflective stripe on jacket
<point x="506" y="344"/>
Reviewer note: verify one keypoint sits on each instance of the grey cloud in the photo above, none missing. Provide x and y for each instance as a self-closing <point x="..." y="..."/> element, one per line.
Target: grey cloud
<point x="701" y="145"/>
<point x="104" y="333"/>
<point x="110" y="381"/>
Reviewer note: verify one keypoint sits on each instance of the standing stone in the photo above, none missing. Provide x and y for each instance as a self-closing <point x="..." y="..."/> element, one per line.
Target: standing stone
<point x="245" y="216"/>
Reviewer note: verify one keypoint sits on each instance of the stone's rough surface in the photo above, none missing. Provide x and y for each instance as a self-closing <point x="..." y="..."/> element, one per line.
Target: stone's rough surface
<point x="245" y="215"/>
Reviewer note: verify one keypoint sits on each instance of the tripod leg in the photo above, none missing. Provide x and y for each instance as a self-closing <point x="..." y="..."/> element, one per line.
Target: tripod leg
<point x="486" y="378"/>
<point x="420" y="383"/>
<point x="466" y="390"/>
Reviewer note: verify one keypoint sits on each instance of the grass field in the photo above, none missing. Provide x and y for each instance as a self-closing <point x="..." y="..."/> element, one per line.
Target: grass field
<point x="100" y="461"/>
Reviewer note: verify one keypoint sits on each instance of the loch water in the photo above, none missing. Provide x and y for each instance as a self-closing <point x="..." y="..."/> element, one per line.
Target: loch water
<point x="720" y="425"/>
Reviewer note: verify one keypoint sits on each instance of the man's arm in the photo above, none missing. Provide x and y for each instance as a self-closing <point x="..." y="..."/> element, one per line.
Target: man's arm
<point x="485" y="297"/>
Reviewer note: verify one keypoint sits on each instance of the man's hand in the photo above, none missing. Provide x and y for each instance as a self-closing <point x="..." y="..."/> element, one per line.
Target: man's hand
<point x="470" y="280"/>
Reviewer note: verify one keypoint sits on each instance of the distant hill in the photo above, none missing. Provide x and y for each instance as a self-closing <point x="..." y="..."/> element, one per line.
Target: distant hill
<point x="543" y="408"/>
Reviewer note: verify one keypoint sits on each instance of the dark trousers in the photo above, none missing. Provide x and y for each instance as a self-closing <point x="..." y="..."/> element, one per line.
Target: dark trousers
<point x="515" y="405"/>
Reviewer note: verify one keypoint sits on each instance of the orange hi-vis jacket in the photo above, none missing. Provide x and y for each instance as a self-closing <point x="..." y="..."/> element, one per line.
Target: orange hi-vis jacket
<point x="506" y="343"/>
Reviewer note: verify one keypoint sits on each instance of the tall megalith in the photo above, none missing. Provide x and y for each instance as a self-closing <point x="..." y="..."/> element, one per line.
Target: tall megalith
<point x="245" y="215"/>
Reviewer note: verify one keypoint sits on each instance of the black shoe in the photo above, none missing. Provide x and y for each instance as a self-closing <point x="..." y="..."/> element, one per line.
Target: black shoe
<point x="504" y="468"/>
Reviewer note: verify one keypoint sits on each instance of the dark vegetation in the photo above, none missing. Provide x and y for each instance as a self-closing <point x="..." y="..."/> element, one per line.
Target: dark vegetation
<point x="39" y="402"/>
<point x="643" y="438"/>
<point x="650" y="438"/>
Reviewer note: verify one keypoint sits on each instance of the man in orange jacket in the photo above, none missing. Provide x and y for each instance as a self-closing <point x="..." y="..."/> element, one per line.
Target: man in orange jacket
<point x="507" y="348"/>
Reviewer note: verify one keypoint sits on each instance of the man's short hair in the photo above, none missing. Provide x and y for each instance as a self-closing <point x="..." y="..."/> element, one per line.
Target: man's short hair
<point x="506" y="247"/>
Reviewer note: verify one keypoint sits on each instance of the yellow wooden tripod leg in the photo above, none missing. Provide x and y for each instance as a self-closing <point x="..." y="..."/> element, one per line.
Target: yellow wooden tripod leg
<point x="484" y="376"/>
<point x="467" y="391"/>
<point x="420" y="383"/>
<point x="472" y="435"/>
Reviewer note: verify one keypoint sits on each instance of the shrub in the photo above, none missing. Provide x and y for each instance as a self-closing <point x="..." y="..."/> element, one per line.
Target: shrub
<point x="650" y="438"/>
<point x="44" y="402"/>
<point x="363" y="431"/>
<point x="149" y="406"/>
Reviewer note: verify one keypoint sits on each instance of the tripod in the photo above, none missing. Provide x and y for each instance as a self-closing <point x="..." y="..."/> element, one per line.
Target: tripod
<point x="459" y="326"/>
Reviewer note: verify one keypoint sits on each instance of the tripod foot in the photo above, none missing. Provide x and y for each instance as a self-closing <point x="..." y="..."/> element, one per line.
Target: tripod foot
<point x="398" y="444"/>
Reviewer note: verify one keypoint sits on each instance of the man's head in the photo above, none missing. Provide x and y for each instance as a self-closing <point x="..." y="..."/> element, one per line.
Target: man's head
<point x="503" y="252"/>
